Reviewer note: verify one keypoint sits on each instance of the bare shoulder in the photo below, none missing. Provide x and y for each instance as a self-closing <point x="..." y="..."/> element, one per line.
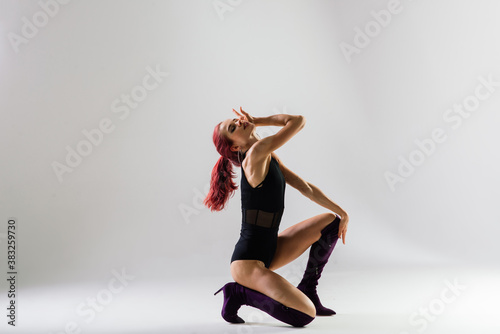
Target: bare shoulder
<point x="255" y="166"/>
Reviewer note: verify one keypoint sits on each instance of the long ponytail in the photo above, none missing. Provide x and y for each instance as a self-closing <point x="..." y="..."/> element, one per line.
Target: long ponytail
<point x="222" y="186"/>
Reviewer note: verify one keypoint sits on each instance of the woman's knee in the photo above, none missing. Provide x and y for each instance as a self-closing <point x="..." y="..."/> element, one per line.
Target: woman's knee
<point x="322" y="221"/>
<point x="242" y="271"/>
<point x="306" y="305"/>
<point x="330" y="216"/>
<point x="253" y="274"/>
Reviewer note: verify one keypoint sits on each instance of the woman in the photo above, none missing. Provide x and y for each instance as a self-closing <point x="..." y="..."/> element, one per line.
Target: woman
<point x="260" y="249"/>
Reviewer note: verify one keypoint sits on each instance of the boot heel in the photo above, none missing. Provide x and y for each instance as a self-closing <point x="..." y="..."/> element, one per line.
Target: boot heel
<point x="218" y="291"/>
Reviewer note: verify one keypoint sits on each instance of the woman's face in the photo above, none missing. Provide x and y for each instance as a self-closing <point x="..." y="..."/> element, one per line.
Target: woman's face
<point x="237" y="131"/>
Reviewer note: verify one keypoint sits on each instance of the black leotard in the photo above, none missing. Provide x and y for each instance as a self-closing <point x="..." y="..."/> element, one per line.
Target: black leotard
<point x="261" y="208"/>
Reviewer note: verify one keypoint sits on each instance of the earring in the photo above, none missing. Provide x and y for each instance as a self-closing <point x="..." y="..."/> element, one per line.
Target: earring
<point x="239" y="160"/>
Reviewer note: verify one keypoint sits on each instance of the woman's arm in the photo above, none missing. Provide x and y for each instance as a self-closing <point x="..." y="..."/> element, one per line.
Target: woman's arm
<point x="316" y="195"/>
<point x="274" y="120"/>
<point x="310" y="191"/>
<point x="291" y="125"/>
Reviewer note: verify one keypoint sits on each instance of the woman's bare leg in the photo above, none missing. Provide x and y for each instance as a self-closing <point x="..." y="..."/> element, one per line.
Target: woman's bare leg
<point x="292" y="242"/>
<point x="254" y="275"/>
<point x="296" y="239"/>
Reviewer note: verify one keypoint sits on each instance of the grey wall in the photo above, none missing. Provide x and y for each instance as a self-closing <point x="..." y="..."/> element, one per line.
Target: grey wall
<point x="134" y="200"/>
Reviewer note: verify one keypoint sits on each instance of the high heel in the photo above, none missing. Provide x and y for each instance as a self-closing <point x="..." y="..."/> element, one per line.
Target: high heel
<point x="236" y="295"/>
<point x="231" y="304"/>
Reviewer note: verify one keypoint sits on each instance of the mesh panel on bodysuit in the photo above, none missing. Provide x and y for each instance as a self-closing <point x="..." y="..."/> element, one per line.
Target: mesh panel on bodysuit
<point x="262" y="218"/>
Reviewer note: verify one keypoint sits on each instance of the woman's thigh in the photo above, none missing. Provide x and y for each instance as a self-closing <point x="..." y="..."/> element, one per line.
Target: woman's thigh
<point x="296" y="239"/>
<point x="254" y="275"/>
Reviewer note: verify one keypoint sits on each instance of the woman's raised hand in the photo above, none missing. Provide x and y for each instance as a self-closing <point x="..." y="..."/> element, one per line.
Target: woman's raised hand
<point x="244" y="116"/>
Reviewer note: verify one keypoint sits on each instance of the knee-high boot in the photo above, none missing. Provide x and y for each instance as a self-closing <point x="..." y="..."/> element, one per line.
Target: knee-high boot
<point x="236" y="295"/>
<point x="318" y="256"/>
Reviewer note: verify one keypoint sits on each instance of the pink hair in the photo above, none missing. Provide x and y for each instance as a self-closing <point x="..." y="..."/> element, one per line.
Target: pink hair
<point x="222" y="185"/>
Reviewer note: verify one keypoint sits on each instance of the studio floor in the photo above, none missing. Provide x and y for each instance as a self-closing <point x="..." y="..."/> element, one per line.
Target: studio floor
<point x="398" y="300"/>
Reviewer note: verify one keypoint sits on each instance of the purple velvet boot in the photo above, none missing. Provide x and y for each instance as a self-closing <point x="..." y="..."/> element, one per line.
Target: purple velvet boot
<point x="318" y="257"/>
<point x="236" y="295"/>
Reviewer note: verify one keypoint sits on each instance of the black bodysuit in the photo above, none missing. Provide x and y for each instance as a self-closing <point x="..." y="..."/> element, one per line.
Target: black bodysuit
<point x="261" y="208"/>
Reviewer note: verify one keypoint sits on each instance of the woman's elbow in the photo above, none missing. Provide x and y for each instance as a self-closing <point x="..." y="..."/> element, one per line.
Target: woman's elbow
<point x="306" y="190"/>
<point x="302" y="120"/>
<point x="298" y="119"/>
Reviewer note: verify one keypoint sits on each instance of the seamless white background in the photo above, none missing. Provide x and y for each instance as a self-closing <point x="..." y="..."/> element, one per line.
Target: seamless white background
<point x="134" y="201"/>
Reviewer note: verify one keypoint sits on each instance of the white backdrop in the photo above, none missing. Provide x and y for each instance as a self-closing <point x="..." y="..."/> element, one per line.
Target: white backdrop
<point x="108" y="107"/>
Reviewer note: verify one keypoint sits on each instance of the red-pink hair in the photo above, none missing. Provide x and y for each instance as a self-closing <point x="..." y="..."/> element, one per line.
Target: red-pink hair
<point x="222" y="185"/>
